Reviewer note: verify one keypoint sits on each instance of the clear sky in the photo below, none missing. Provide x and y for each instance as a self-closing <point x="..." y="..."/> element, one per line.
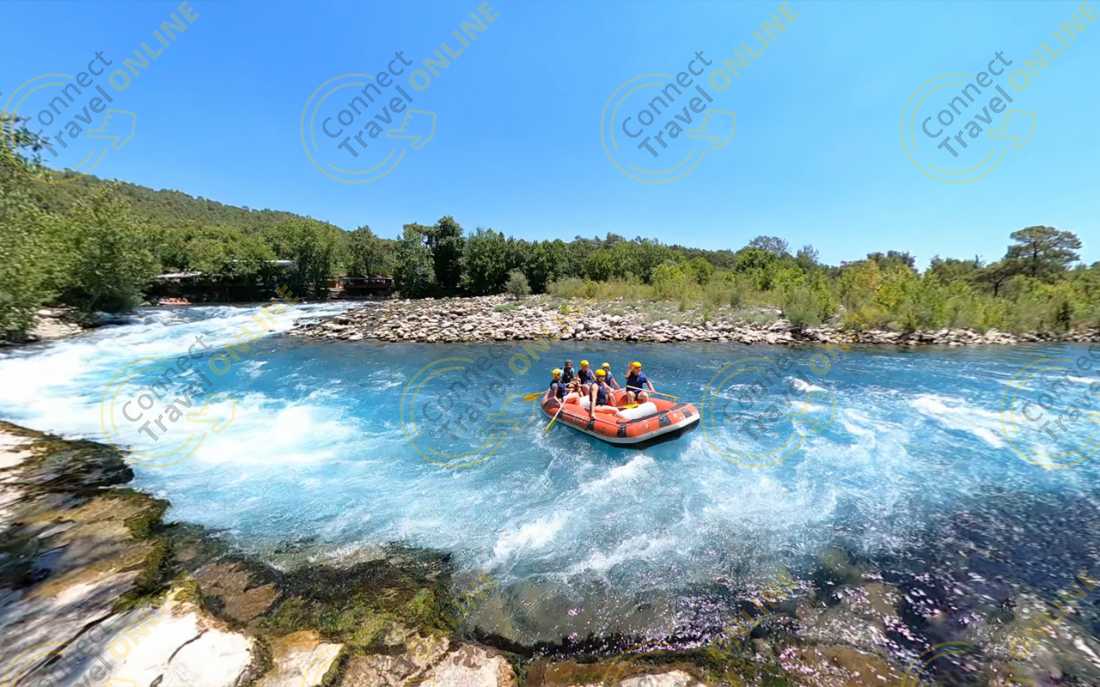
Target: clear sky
<point x="817" y="153"/>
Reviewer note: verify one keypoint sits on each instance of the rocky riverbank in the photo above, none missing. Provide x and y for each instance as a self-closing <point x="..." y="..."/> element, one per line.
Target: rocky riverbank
<point x="498" y="318"/>
<point x="97" y="589"/>
<point x="51" y="324"/>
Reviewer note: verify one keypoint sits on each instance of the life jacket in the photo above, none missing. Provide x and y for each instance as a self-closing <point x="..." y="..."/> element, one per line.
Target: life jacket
<point x="603" y="394"/>
<point x="586" y="375"/>
<point x="636" y="381"/>
<point x="558" y="388"/>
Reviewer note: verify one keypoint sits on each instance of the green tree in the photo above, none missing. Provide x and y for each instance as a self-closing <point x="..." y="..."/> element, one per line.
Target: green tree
<point x="544" y="263"/>
<point x="446" y="244"/>
<point x="486" y="257"/>
<point x="369" y="255"/>
<point x="414" y="270"/>
<point x="948" y="270"/>
<point x="772" y="244"/>
<point x="807" y="257"/>
<point x="670" y="280"/>
<point x="1043" y="252"/>
<point x="110" y="263"/>
<point x="700" y="269"/>
<point x="313" y="248"/>
<point x="893" y="257"/>
<point x="599" y="265"/>
<point x="30" y="256"/>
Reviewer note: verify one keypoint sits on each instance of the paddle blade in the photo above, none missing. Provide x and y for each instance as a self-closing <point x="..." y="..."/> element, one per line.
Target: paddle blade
<point x="555" y="418"/>
<point x="532" y="396"/>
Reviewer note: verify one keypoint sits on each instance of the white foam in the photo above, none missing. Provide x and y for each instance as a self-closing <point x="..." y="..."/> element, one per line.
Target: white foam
<point x="532" y="535"/>
<point x="68" y="386"/>
<point x="856" y="423"/>
<point x="642" y="547"/>
<point x="633" y="469"/>
<point x="953" y="413"/>
<point x="805" y="387"/>
<point x="805" y="407"/>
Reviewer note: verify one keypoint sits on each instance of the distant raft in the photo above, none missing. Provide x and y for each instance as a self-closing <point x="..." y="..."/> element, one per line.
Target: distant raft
<point x="634" y="425"/>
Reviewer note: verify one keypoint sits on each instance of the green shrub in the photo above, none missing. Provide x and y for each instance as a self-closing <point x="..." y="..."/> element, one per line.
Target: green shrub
<point x="517" y="286"/>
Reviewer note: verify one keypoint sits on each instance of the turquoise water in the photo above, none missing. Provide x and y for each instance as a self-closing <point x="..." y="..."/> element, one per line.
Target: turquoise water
<point x="961" y="476"/>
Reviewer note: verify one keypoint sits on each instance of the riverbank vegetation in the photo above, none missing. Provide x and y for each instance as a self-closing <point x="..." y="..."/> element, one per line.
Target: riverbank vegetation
<point x="76" y="240"/>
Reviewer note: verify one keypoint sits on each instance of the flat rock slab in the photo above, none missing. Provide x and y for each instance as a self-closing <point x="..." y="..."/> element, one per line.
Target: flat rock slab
<point x="395" y="670"/>
<point x="471" y="666"/>
<point x="173" y="644"/>
<point x="673" y="678"/>
<point x="300" y="659"/>
<point x="216" y="659"/>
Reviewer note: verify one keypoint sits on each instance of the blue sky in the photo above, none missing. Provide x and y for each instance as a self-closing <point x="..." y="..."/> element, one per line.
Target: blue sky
<point x="816" y="157"/>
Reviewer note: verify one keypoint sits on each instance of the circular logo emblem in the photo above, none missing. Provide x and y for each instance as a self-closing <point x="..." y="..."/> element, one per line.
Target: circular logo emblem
<point x="950" y="138"/>
<point x="757" y="411"/>
<point x="161" y="412"/>
<point x="77" y="123"/>
<point x="650" y="131"/>
<point x="353" y="132"/>
<point x="1050" y="415"/>
<point x="457" y="412"/>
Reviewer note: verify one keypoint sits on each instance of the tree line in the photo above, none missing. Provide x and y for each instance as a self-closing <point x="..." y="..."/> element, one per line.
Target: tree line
<point x="77" y="240"/>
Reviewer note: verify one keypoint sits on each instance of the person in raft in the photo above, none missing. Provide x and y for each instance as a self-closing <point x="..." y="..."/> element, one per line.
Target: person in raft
<point x="636" y="384"/>
<point x="556" y="388"/>
<point x="611" y="381"/>
<point x="568" y="374"/>
<point x="600" y="395"/>
<point x="586" y="377"/>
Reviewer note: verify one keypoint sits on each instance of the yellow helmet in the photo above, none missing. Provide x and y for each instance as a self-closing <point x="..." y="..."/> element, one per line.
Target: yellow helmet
<point x="584" y="363"/>
<point x="556" y="372"/>
<point x="606" y="366"/>
<point x="636" y="365"/>
<point x="601" y="372"/>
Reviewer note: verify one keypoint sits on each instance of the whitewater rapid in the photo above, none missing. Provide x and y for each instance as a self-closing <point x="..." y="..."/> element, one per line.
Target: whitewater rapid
<point x="318" y="450"/>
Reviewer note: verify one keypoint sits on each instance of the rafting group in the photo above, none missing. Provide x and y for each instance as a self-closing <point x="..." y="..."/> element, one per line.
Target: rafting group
<point x="593" y="402"/>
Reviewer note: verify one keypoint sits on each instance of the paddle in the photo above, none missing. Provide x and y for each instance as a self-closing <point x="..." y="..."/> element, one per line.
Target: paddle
<point x="555" y="418"/>
<point x="635" y="388"/>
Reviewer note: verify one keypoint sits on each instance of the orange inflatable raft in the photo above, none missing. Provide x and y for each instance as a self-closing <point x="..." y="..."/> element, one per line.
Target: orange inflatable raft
<point x="643" y="422"/>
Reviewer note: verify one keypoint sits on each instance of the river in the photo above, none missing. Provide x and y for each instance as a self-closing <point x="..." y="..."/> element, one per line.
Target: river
<point x="960" y="478"/>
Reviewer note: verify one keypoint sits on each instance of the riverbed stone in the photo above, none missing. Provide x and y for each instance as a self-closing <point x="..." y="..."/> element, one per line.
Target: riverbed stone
<point x="471" y="666"/>
<point x="500" y="318"/>
<point x="300" y="659"/>
<point x="216" y="658"/>
<point x="827" y="665"/>
<point x="234" y="590"/>
<point x="673" y="678"/>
